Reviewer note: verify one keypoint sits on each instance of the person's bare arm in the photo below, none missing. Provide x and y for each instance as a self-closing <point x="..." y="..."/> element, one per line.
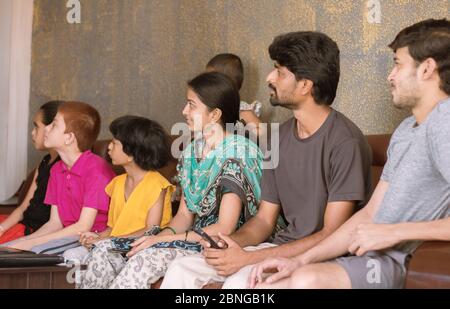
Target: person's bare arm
<point x="251" y="120"/>
<point x="52" y="225"/>
<point x="17" y="215"/>
<point x="229" y="212"/>
<point x="154" y="215"/>
<point x="89" y="238"/>
<point x="259" y="228"/>
<point x="84" y="224"/>
<point x="338" y="243"/>
<point x="372" y="237"/>
<point x="336" y="214"/>
<point x="430" y="230"/>
<point x="182" y="221"/>
<point x="255" y="231"/>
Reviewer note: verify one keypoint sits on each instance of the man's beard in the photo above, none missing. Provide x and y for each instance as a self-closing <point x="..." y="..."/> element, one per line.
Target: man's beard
<point x="274" y="101"/>
<point x="406" y="100"/>
<point x="288" y="105"/>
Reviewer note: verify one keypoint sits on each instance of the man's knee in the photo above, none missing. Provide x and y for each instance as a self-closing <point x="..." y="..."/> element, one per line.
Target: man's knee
<point x="322" y="275"/>
<point x="304" y="279"/>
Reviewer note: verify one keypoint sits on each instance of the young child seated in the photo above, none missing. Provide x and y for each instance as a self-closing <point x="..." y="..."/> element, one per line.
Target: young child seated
<point x="231" y="66"/>
<point x="140" y="198"/>
<point x="76" y="188"/>
<point x="32" y="213"/>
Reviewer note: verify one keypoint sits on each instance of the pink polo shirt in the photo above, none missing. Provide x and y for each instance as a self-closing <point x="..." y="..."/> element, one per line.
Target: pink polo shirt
<point x="81" y="186"/>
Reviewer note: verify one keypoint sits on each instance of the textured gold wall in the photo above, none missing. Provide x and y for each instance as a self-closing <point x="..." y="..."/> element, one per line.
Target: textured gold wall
<point x="134" y="56"/>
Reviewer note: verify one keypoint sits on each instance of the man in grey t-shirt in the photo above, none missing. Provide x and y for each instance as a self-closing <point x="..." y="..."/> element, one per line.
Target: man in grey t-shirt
<point x="322" y="176"/>
<point x="411" y="202"/>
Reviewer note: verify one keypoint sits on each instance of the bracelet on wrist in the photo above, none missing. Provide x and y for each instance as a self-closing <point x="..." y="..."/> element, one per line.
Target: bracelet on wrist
<point x="170" y="228"/>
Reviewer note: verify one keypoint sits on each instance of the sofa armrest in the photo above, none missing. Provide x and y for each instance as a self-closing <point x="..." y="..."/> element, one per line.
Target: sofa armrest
<point x="429" y="266"/>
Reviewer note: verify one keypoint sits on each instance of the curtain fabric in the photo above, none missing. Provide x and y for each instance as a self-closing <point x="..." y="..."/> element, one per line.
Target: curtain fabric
<point x="16" y="17"/>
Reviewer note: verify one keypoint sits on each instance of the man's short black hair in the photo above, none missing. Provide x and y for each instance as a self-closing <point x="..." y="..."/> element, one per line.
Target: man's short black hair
<point x="143" y="139"/>
<point x="310" y="55"/>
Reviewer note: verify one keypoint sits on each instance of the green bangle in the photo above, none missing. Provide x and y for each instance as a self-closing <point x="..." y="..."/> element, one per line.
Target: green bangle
<point x="170" y="228"/>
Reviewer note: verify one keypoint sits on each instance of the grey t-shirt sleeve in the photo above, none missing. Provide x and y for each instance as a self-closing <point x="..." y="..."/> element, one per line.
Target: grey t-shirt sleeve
<point x="438" y="137"/>
<point x="388" y="169"/>
<point x="269" y="190"/>
<point x="399" y="141"/>
<point x="347" y="179"/>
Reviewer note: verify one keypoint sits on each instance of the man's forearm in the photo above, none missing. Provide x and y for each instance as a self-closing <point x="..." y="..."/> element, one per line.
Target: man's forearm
<point x="431" y="230"/>
<point x="287" y="250"/>
<point x="254" y="232"/>
<point x="337" y="243"/>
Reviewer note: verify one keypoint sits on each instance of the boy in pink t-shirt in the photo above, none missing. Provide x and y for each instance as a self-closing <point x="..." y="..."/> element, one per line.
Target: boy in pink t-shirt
<point x="76" y="188"/>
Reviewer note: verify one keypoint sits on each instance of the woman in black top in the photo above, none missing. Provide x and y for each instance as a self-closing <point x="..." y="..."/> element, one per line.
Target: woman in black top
<point x="32" y="213"/>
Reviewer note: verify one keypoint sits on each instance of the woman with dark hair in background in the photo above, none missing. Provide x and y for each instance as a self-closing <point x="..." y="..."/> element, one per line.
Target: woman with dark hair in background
<point x="32" y="213"/>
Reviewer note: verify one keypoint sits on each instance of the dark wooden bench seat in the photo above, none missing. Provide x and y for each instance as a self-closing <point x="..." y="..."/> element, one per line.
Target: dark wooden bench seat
<point x="53" y="277"/>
